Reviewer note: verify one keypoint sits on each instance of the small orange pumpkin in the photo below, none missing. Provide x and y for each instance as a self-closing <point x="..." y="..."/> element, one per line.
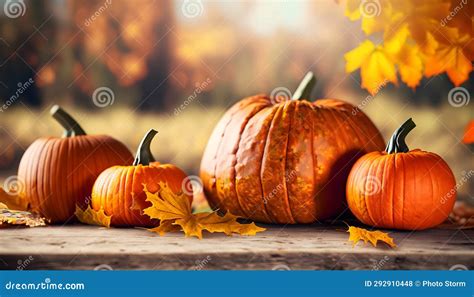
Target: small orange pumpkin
<point x="58" y="173"/>
<point x="119" y="189"/>
<point x="401" y="188"/>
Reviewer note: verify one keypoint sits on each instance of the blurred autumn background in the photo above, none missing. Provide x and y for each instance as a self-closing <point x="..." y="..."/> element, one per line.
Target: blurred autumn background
<point x="122" y="67"/>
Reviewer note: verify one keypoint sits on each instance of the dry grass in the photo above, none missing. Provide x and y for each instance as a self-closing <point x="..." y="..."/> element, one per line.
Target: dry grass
<point x="182" y="137"/>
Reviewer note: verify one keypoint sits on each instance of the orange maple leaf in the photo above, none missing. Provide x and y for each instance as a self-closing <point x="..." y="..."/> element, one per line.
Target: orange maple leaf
<point x="452" y="56"/>
<point x="175" y="214"/>
<point x="357" y="234"/>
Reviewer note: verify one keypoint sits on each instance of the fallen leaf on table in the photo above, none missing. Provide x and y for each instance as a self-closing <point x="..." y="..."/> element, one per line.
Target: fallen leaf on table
<point x="166" y="227"/>
<point x="356" y="234"/>
<point x="175" y="214"/>
<point x="92" y="217"/>
<point x="12" y="200"/>
<point x="18" y="217"/>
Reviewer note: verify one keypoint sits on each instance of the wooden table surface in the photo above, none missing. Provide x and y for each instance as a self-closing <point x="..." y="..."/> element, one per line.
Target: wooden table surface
<point x="280" y="247"/>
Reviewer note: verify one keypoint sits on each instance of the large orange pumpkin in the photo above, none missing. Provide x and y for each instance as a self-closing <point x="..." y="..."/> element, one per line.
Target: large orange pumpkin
<point x="119" y="189"/>
<point x="282" y="160"/>
<point x="401" y="188"/>
<point x="58" y="173"/>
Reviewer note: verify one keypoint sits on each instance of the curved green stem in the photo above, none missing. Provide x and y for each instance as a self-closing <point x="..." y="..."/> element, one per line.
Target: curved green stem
<point x="144" y="155"/>
<point x="305" y="88"/>
<point x="71" y="127"/>
<point x="397" y="141"/>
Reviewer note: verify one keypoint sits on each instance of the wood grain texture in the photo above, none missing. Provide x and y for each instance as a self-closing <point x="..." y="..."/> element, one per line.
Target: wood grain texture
<point x="280" y="247"/>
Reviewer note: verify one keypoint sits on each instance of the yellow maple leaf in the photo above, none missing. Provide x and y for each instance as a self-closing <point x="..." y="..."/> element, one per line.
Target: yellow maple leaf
<point x="452" y="56"/>
<point x="410" y="65"/>
<point x="376" y="65"/>
<point x="356" y="234"/>
<point x="175" y="213"/>
<point x="212" y="222"/>
<point x="167" y="205"/>
<point x="93" y="217"/>
<point x="166" y="227"/>
<point x="13" y="200"/>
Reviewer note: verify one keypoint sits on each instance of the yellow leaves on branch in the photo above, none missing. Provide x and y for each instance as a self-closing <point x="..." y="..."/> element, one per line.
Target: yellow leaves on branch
<point x="357" y="234"/>
<point x="175" y="214"/>
<point x="92" y="217"/>
<point x="417" y="38"/>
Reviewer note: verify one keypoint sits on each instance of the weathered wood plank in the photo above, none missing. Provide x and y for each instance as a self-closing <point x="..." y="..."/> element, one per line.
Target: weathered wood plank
<point x="294" y="247"/>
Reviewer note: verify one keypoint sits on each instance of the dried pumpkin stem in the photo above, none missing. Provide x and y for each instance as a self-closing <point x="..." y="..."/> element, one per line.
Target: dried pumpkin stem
<point x="397" y="141"/>
<point x="71" y="126"/>
<point x="144" y="155"/>
<point x="305" y="88"/>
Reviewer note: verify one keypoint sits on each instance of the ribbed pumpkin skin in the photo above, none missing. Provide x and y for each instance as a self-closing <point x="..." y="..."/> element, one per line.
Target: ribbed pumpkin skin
<point x="412" y="190"/>
<point x="286" y="162"/>
<point x="58" y="173"/>
<point x="119" y="191"/>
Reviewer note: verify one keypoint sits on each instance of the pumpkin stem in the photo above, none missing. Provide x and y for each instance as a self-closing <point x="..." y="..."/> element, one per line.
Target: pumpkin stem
<point x="71" y="127"/>
<point x="397" y="141"/>
<point x="144" y="155"/>
<point x="305" y="88"/>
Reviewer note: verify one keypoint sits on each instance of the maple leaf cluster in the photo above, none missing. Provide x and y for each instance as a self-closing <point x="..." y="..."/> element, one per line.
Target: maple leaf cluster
<point x="416" y="38"/>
